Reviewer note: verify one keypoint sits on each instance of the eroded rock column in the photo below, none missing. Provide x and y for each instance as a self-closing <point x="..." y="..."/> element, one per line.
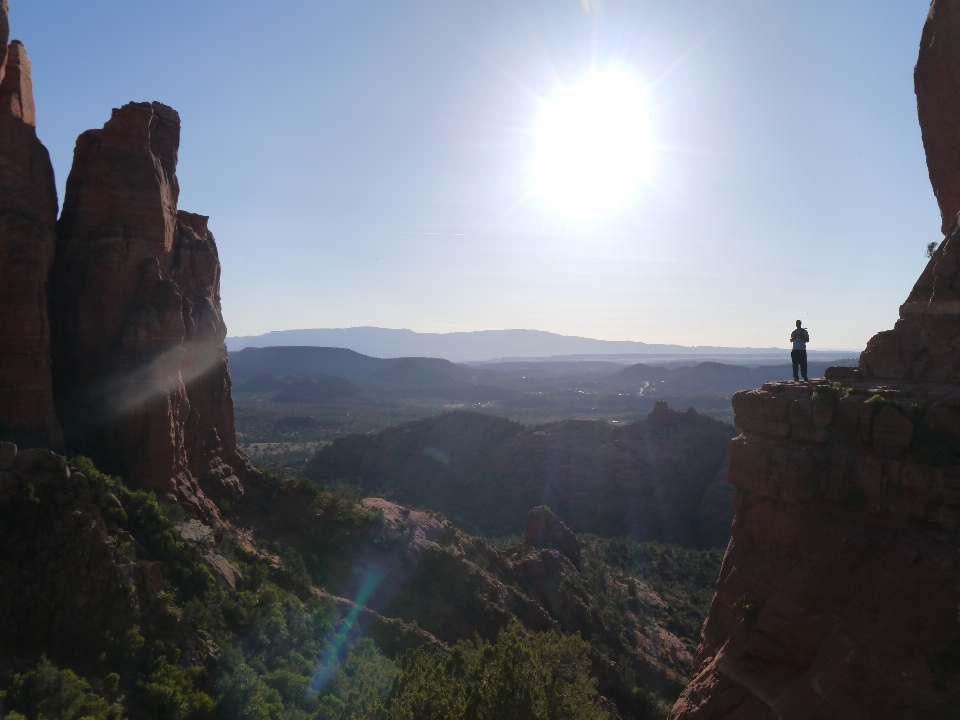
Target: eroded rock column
<point x="28" y="213"/>
<point x="140" y="364"/>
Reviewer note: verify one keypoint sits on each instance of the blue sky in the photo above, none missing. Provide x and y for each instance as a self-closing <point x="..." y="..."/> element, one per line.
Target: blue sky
<point x="368" y="163"/>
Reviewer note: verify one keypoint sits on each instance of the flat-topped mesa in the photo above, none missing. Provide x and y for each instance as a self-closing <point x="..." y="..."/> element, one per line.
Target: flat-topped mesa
<point x="140" y="365"/>
<point x="28" y="216"/>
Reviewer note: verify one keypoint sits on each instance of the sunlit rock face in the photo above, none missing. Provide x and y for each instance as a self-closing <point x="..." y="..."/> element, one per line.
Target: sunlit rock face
<point x="839" y="590"/>
<point x="28" y="213"/>
<point x="140" y="364"/>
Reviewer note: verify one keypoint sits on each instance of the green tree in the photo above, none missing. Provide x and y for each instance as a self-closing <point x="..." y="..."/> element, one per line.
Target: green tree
<point x="53" y="694"/>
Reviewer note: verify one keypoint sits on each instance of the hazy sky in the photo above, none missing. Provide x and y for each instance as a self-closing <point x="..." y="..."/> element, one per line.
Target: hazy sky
<point x="369" y="163"/>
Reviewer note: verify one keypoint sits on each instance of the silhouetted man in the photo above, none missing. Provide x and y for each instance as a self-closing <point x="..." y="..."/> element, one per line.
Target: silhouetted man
<point x="799" y="337"/>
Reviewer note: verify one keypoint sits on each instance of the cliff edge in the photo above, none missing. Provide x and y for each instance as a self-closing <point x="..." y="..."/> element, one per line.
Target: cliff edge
<point x="839" y="589"/>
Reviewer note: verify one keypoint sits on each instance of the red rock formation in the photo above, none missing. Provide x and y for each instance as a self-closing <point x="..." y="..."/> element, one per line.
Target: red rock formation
<point x="841" y="580"/>
<point x="139" y="360"/>
<point x="28" y="212"/>
<point x="839" y="590"/>
<point x="924" y="342"/>
<point x="936" y="79"/>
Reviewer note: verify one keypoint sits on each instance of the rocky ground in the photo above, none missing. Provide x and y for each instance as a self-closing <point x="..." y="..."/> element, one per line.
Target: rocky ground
<point x="91" y="571"/>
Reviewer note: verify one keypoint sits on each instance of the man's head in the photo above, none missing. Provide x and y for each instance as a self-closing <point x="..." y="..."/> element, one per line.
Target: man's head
<point x="798" y="323"/>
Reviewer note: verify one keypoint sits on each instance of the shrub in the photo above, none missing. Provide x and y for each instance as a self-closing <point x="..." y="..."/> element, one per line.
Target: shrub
<point x="546" y="676"/>
<point x="831" y="394"/>
<point x="878" y="401"/>
<point x="748" y="609"/>
<point x="47" y="692"/>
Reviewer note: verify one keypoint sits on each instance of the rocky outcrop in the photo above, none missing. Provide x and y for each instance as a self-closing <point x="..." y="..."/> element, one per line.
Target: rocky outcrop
<point x="544" y="529"/>
<point x="840" y="585"/>
<point x="28" y="213"/>
<point x="140" y="365"/>
<point x="839" y="590"/>
<point x="924" y="343"/>
<point x="936" y="79"/>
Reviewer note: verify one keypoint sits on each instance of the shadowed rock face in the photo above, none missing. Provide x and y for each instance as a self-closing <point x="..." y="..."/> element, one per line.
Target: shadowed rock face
<point x="839" y="589"/>
<point x="936" y="79"/>
<point x="924" y="343"/>
<point x="139" y="361"/>
<point x="28" y="213"/>
<point x="661" y="478"/>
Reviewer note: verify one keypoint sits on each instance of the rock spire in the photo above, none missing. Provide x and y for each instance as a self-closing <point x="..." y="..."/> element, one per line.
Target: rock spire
<point x="28" y="214"/>
<point x="140" y="364"/>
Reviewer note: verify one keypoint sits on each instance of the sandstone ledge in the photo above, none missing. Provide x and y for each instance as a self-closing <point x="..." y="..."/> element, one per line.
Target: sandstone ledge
<point x="887" y="450"/>
<point x="841" y="580"/>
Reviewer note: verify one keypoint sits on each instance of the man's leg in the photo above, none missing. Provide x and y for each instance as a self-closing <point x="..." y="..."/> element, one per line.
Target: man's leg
<point x="803" y="364"/>
<point x="795" y="360"/>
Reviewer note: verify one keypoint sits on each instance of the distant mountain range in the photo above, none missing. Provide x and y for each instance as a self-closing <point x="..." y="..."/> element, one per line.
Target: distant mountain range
<point x="317" y="374"/>
<point x="487" y="345"/>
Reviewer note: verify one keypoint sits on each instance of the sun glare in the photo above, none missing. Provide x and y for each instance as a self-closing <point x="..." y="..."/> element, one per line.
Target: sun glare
<point x="592" y="145"/>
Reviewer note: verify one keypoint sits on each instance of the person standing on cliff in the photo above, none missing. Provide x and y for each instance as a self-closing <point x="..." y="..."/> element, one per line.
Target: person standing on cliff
<point x="798" y="356"/>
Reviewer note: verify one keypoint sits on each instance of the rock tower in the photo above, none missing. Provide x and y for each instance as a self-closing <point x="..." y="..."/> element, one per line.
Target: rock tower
<point x="140" y="365"/>
<point x="28" y="214"/>
<point x="110" y="321"/>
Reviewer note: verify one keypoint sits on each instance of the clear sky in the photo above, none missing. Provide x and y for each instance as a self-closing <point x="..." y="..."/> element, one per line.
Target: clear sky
<point x="370" y="163"/>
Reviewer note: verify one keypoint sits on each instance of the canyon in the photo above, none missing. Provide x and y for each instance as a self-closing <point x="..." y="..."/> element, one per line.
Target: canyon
<point x="199" y="586"/>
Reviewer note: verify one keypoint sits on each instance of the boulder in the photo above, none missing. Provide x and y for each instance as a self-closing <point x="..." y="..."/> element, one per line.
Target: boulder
<point x="28" y="215"/>
<point x="194" y="531"/>
<point x="223" y="571"/>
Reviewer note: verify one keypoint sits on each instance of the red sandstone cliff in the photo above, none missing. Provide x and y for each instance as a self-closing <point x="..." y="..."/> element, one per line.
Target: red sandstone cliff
<point x="140" y="364"/>
<point x="28" y="213"/>
<point x="839" y="592"/>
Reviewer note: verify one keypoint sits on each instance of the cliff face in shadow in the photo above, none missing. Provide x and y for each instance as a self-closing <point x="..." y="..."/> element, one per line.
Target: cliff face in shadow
<point x="140" y="366"/>
<point x="839" y="590"/>
<point x="662" y="478"/>
<point x="28" y="216"/>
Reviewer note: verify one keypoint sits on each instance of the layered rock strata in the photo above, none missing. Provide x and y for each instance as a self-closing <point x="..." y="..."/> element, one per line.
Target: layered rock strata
<point x="28" y="214"/>
<point x="840" y="585"/>
<point x="140" y="364"/>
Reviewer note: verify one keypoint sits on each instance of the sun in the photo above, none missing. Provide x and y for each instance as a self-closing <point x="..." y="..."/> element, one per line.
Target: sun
<point x="592" y="145"/>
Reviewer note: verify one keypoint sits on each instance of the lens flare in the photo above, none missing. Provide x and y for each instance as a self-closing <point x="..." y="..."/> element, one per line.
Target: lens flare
<point x="592" y="145"/>
<point x="339" y="645"/>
